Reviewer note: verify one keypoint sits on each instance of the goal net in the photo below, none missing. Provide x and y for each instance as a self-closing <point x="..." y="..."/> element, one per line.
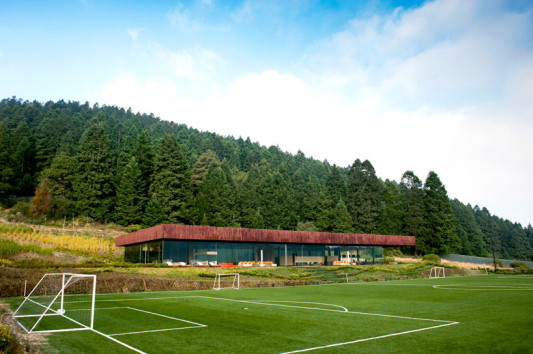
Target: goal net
<point x="226" y="281"/>
<point x="437" y="272"/>
<point x="59" y="302"/>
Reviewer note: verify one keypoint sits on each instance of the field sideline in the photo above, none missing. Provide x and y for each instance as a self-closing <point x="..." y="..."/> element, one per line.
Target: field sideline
<point x="458" y="314"/>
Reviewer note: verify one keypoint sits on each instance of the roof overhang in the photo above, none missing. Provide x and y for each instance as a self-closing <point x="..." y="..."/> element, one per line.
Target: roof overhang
<point x="230" y="234"/>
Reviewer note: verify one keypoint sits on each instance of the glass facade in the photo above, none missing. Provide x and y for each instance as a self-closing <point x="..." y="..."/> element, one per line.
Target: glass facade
<point x="192" y="252"/>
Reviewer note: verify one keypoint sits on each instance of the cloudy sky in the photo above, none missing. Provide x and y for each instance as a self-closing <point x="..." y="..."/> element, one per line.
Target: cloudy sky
<point x="443" y="85"/>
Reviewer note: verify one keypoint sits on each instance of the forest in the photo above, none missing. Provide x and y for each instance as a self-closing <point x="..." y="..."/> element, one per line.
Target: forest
<point x="62" y="160"/>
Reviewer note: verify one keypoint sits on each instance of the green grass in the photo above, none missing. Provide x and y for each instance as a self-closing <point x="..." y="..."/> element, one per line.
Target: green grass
<point x="11" y="248"/>
<point x="462" y="315"/>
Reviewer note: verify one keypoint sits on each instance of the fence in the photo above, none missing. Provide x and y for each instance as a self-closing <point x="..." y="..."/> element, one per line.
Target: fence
<point x="479" y="260"/>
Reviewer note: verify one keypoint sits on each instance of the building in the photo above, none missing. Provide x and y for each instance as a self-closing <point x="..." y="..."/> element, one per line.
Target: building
<point x="194" y="244"/>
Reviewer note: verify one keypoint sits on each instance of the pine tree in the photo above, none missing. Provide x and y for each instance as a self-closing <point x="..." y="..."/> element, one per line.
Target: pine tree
<point x="468" y="230"/>
<point x="413" y="204"/>
<point x="60" y="175"/>
<point x="439" y="235"/>
<point x="129" y="205"/>
<point x="201" y="168"/>
<point x="335" y="187"/>
<point x="340" y="219"/>
<point x="171" y="185"/>
<point x="390" y="220"/>
<point x="6" y="170"/>
<point x="364" y="196"/>
<point x="217" y="198"/>
<point x="144" y="157"/>
<point x="24" y="158"/>
<point x="93" y="184"/>
<point x="153" y="214"/>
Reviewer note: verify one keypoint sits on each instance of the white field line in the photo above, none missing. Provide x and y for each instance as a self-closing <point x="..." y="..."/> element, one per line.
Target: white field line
<point x="156" y="330"/>
<point x="196" y="325"/>
<point x="481" y="287"/>
<point x="263" y="302"/>
<point x="303" y="302"/>
<point x="371" y="338"/>
<point x="119" y="342"/>
<point x="172" y="318"/>
<point x="329" y="310"/>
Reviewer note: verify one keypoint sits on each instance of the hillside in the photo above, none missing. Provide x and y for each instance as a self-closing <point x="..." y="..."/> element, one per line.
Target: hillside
<point x="65" y="160"/>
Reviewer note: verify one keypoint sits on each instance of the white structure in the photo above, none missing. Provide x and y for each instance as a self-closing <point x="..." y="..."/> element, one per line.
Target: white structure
<point x="437" y="272"/>
<point x="227" y="281"/>
<point x="59" y="302"/>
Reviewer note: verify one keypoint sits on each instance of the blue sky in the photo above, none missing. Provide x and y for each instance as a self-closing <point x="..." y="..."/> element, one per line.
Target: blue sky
<point x="444" y="85"/>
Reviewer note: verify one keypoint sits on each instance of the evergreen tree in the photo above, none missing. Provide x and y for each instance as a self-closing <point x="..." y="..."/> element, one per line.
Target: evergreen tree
<point x="468" y="230"/>
<point x="6" y="170"/>
<point x="129" y="202"/>
<point x="144" y="157"/>
<point x="171" y="185"/>
<point x="24" y="158"/>
<point x="201" y="168"/>
<point x="413" y="204"/>
<point x="153" y="214"/>
<point x="390" y="220"/>
<point x="439" y="235"/>
<point x="341" y="220"/>
<point x="60" y="175"/>
<point x="93" y="184"/>
<point x="217" y="198"/>
<point x="335" y="187"/>
<point x="364" y="196"/>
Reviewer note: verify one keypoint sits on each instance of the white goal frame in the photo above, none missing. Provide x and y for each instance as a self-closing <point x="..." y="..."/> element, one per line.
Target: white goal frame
<point x="66" y="280"/>
<point x="235" y="284"/>
<point x="437" y="272"/>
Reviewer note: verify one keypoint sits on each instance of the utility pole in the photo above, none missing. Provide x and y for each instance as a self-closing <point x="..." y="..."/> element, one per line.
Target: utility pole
<point x="493" y="254"/>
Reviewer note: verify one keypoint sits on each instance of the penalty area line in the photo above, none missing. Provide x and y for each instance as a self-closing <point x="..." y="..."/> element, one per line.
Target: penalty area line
<point x="369" y="339"/>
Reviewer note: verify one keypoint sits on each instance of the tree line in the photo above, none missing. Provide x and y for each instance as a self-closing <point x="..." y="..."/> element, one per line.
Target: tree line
<point x="113" y="165"/>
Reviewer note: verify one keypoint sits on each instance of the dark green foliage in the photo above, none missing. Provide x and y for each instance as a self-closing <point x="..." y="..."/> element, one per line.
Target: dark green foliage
<point x="468" y="230"/>
<point x="93" y="186"/>
<point x="364" y="196"/>
<point x="216" y="198"/>
<point x="439" y="228"/>
<point x="432" y="258"/>
<point x="413" y="204"/>
<point x="6" y="164"/>
<point x="129" y="201"/>
<point x="260" y="187"/>
<point x="171" y="183"/>
<point x="153" y="215"/>
<point x="392" y="215"/>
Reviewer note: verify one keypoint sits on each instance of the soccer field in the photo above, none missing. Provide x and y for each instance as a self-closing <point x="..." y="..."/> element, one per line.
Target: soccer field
<point x="458" y="314"/>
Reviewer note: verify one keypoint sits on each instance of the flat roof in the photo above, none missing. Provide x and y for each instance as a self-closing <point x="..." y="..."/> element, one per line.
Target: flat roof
<point x="231" y="234"/>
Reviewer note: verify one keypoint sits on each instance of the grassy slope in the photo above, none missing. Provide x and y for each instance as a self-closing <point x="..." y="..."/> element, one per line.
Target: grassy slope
<point x="490" y="318"/>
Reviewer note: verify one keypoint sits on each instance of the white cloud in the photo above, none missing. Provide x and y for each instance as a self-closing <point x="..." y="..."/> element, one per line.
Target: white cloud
<point x="446" y="87"/>
<point x="134" y="33"/>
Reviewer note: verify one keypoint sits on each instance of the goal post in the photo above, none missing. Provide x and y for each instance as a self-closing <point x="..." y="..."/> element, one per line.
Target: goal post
<point x="59" y="302"/>
<point x="227" y="281"/>
<point x="437" y="272"/>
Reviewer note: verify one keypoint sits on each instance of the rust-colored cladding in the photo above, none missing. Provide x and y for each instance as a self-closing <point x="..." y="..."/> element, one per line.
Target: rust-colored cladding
<point x="230" y="234"/>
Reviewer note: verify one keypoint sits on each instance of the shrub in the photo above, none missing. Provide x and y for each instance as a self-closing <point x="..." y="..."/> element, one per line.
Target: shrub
<point x="206" y="275"/>
<point x="520" y="265"/>
<point x="392" y="252"/>
<point x="133" y="228"/>
<point x="431" y="258"/>
<point x="8" y="342"/>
